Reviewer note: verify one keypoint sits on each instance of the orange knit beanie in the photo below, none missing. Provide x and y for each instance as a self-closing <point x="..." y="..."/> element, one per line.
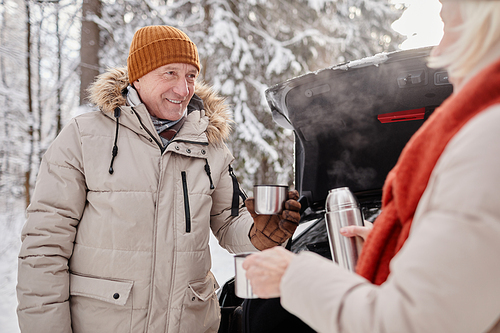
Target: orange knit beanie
<point x="158" y="45"/>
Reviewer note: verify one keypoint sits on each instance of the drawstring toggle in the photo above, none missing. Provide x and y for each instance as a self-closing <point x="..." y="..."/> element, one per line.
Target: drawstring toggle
<point x="114" y="152"/>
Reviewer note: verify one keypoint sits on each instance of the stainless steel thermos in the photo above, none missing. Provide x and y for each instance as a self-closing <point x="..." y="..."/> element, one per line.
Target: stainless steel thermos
<point x="342" y="209"/>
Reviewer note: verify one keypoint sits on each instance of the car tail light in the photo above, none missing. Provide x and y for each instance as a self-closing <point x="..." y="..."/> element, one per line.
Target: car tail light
<point x="405" y="115"/>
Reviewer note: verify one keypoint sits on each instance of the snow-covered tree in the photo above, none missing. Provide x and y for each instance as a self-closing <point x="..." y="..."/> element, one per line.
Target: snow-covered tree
<point x="247" y="46"/>
<point x="39" y="46"/>
<point x="89" y="46"/>
<point x="12" y="98"/>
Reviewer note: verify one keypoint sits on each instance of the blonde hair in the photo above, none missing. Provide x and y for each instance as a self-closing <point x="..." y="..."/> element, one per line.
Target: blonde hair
<point x="479" y="33"/>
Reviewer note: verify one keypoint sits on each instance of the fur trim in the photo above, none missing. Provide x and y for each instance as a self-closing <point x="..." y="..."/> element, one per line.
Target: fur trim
<point x="217" y="111"/>
<point x="106" y="93"/>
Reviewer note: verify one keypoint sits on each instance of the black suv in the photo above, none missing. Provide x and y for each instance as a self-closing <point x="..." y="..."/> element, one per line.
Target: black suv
<point x="350" y="122"/>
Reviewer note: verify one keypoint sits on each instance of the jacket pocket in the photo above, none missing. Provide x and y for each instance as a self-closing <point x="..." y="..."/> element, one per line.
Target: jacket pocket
<point x="200" y="310"/>
<point x="100" y="305"/>
<point x="187" y="211"/>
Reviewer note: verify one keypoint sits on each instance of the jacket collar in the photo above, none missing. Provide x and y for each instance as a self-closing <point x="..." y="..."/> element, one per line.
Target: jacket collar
<point x="109" y="92"/>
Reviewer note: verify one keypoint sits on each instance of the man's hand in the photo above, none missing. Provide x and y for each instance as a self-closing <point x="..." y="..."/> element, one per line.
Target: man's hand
<point x="271" y="230"/>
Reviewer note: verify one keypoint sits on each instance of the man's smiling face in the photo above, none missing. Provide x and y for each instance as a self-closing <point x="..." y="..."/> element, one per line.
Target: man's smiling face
<point x="167" y="90"/>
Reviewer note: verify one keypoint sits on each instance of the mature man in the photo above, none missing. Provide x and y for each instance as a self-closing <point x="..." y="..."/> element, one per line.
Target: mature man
<point x="117" y="233"/>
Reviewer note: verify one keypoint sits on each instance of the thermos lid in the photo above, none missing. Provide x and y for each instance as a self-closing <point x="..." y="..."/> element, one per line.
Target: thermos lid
<point x="340" y="198"/>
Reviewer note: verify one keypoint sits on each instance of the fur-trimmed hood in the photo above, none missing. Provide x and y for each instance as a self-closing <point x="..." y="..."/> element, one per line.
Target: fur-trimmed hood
<point x="107" y="93"/>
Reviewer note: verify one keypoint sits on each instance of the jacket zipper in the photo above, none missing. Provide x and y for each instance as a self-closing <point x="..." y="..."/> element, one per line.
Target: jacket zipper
<point x="209" y="174"/>
<point x="154" y="255"/>
<point x="159" y="143"/>
<point x="237" y="193"/>
<point x="189" y="141"/>
<point x="162" y="149"/>
<point x="186" y="201"/>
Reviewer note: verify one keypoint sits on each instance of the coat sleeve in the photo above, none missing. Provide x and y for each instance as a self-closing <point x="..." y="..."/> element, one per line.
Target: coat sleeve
<point x="445" y="278"/>
<point x="231" y="231"/>
<point x="48" y="236"/>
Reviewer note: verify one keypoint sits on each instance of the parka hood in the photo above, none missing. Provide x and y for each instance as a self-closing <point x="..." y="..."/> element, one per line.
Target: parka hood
<point x="108" y="91"/>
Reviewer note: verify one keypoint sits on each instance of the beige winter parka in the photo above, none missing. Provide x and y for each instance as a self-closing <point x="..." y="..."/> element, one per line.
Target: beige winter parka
<point x="128" y="251"/>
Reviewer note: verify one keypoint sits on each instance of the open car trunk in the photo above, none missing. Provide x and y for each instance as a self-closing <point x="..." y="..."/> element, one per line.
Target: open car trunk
<point x="350" y="123"/>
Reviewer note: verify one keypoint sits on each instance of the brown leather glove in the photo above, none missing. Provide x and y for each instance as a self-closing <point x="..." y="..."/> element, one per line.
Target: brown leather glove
<point x="271" y="230"/>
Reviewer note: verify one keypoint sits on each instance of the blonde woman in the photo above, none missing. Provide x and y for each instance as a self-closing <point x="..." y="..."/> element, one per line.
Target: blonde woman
<point x="430" y="263"/>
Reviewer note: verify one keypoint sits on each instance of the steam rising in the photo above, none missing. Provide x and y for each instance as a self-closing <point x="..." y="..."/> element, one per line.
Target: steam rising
<point x="334" y="114"/>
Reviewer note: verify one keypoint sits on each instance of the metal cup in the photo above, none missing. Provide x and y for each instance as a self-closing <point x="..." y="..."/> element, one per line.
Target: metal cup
<point x="269" y="199"/>
<point x="242" y="287"/>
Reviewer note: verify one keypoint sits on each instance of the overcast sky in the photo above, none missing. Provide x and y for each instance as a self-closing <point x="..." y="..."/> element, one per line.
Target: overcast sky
<point x="420" y="23"/>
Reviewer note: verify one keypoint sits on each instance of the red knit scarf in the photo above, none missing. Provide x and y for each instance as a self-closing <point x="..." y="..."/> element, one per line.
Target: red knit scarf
<point x="407" y="181"/>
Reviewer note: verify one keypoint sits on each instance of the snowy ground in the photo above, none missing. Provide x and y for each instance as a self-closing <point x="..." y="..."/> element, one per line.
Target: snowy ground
<point x="10" y="229"/>
<point x="222" y="262"/>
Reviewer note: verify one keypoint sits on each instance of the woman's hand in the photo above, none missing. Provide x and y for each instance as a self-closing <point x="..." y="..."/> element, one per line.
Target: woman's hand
<point x="354" y="230"/>
<point x="265" y="270"/>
